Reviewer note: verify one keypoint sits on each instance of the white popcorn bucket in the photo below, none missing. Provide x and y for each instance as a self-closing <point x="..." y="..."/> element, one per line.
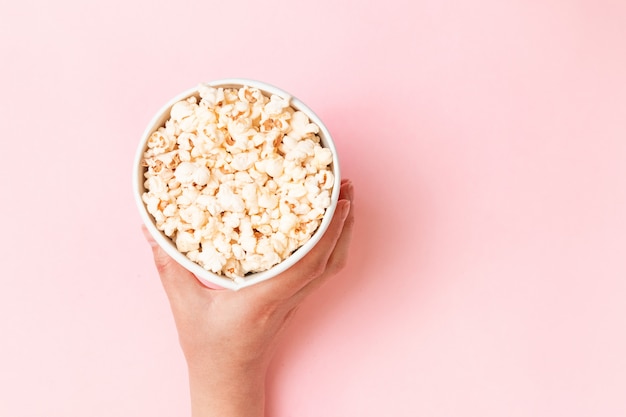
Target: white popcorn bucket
<point x="209" y="278"/>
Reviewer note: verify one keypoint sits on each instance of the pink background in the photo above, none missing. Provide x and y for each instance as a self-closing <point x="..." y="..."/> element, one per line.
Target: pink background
<point x="487" y="143"/>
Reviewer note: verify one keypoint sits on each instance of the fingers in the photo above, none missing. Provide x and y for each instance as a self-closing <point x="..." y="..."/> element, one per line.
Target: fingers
<point x="176" y="280"/>
<point x="339" y="257"/>
<point x="315" y="263"/>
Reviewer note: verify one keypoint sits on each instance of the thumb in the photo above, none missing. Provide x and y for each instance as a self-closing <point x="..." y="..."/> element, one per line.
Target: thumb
<point x="176" y="280"/>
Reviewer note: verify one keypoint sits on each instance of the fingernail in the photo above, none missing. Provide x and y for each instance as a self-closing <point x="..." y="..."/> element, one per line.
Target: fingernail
<point x="344" y="208"/>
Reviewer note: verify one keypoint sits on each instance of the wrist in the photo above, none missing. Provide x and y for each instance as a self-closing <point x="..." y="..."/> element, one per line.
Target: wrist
<point x="237" y="392"/>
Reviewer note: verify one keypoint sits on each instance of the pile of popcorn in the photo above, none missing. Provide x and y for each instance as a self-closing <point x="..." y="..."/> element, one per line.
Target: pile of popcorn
<point x="238" y="180"/>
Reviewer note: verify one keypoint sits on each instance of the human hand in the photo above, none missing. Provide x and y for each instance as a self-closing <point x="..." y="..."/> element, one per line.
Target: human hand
<point x="228" y="337"/>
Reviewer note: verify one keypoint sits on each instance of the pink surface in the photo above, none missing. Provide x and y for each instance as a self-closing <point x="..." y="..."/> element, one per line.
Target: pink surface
<point x="487" y="143"/>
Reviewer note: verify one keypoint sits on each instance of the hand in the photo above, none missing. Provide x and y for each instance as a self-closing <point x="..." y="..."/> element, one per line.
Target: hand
<point x="228" y="337"/>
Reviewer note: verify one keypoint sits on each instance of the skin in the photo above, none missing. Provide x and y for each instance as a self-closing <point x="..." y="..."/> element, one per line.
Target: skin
<point x="228" y="338"/>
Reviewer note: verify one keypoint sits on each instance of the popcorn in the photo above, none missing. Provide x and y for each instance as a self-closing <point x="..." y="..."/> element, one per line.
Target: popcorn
<point x="161" y="142"/>
<point x="238" y="180"/>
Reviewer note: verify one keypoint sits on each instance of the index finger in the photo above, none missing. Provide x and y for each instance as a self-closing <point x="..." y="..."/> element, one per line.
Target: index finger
<point x="313" y="264"/>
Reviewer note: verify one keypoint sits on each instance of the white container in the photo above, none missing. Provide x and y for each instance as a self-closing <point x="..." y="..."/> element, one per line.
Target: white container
<point x="209" y="278"/>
